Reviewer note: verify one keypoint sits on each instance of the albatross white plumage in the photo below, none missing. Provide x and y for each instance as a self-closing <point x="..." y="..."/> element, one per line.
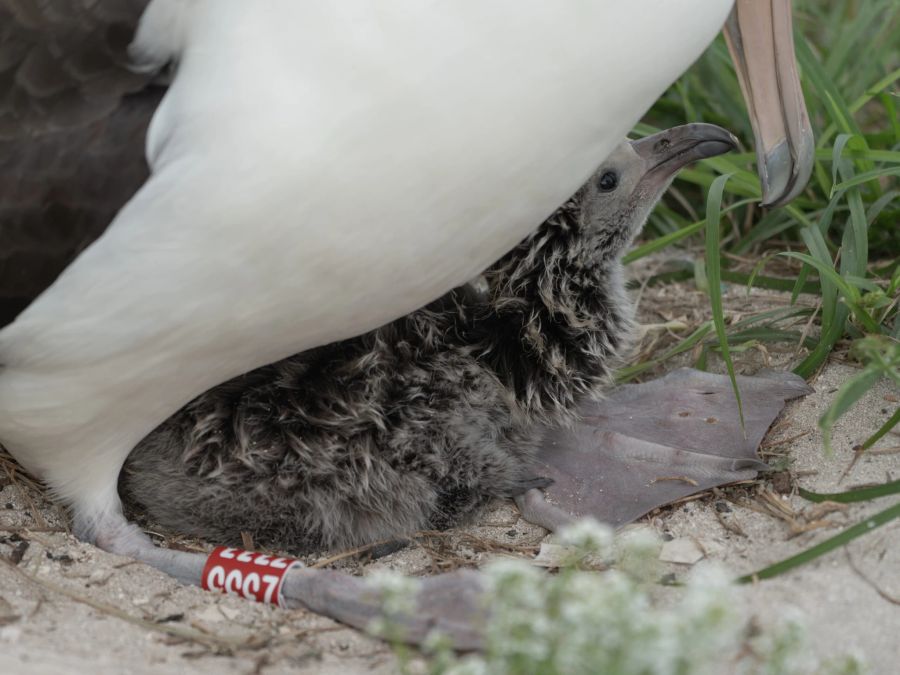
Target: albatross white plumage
<point x="318" y="169"/>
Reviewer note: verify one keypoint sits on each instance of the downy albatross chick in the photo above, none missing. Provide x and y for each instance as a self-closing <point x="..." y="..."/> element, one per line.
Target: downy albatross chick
<point x="419" y="423"/>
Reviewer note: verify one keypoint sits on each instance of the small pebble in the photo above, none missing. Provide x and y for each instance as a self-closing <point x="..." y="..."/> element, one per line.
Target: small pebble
<point x="99" y="577"/>
<point x="552" y="555"/>
<point x="230" y="612"/>
<point x="63" y="558"/>
<point x="210" y="614"/>
<point x="781" y="482"/>
<point x="7" y="613"/>
<point x="681" y="551"/>
<point x="10" y="634"/>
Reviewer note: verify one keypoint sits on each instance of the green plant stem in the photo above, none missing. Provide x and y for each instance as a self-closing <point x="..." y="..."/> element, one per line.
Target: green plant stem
<point x="886" y="427"/>
<point x="859" y="495"/>
<point x="810" y="554"/>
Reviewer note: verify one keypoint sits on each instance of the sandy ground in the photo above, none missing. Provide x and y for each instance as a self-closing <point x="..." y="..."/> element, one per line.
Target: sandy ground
<point x="66" y="607"/>
<point x="850" y="597"/>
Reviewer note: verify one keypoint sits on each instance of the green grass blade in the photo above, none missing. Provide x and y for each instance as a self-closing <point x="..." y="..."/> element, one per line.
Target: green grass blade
<point x="847" y="395"/>
<point x="714" y="277"/>
<point x="861" y="178"/>
<point x="810" y="554"/>
<point x="839" y="143"/>
<point x="768" y="227"/>
<point x="877" y="89"/>
<point x="630" y="372"/>
<point x="831" y="333"/>
<point x="825" y="88"/>
<point x="851" y="294"/>
<point x="855" y="241"/>
<point x="859" y="495"/>
<point x="815" y="244"/>
<point x="767" y="334"/>
<point x="668" y="239"/>
<point x="879" y="205"/>
<point x="826" y="271"/>
<point x="762" y="281"/>
<point x="849" y="37"/>
<point x="885" y="428"/>
<point x="891" y="107"/>
<point x="771" y="315"/>
<point x="799" y="284"/>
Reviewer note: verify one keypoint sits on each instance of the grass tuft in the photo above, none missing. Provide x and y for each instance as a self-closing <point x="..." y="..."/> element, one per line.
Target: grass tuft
<point x="837" y="244"/>
<point x="841" y="236"/>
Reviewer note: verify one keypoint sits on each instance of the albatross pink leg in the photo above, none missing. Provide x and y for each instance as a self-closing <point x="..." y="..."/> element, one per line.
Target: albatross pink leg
<point x="450" y="603"/>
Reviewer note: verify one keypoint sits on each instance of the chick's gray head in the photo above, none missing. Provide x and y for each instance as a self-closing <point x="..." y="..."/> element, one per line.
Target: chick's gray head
<point x="616" y="201"/>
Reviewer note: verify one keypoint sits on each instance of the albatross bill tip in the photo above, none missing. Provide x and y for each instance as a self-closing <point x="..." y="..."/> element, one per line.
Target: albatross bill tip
<point x="760" y="39"/>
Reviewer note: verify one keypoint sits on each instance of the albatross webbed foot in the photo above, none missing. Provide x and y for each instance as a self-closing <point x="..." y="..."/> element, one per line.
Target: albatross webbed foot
<point x="649" y="444"/>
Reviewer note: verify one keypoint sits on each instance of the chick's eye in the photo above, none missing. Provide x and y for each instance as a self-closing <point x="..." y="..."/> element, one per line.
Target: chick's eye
<point x="608" y="181"/>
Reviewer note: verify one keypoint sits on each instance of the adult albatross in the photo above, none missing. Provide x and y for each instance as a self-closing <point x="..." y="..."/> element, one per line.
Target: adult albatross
<point x="316" y="170"/>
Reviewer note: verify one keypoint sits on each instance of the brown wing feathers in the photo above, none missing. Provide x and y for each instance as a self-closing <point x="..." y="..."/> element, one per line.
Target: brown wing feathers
<point x="72" y="125"/>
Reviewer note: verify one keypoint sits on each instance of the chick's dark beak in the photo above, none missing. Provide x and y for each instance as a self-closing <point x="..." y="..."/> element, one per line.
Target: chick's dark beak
<point x="667" y="152"/>
<point x="760" y="37"/>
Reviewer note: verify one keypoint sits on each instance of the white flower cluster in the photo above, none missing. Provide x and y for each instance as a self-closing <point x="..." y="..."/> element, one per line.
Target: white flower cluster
<point x="398" y="598"/>
<point x="583" y="623"/>
<point x="589" y="536"/>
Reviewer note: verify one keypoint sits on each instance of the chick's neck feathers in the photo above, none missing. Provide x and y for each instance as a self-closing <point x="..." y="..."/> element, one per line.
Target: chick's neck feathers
<point x="557" y="318"/>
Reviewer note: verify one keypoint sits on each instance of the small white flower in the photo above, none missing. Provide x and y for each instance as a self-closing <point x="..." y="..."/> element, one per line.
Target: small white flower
<point x="637" y="552"/>
<point x="468" y="666"/>
<point x="588" y="536"/>
<point x="398" y="592"/>
<point x="582" y="623"/>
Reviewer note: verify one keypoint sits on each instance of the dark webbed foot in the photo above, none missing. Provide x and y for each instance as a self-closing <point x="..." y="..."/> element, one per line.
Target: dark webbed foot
<point x="650" y="444"/>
